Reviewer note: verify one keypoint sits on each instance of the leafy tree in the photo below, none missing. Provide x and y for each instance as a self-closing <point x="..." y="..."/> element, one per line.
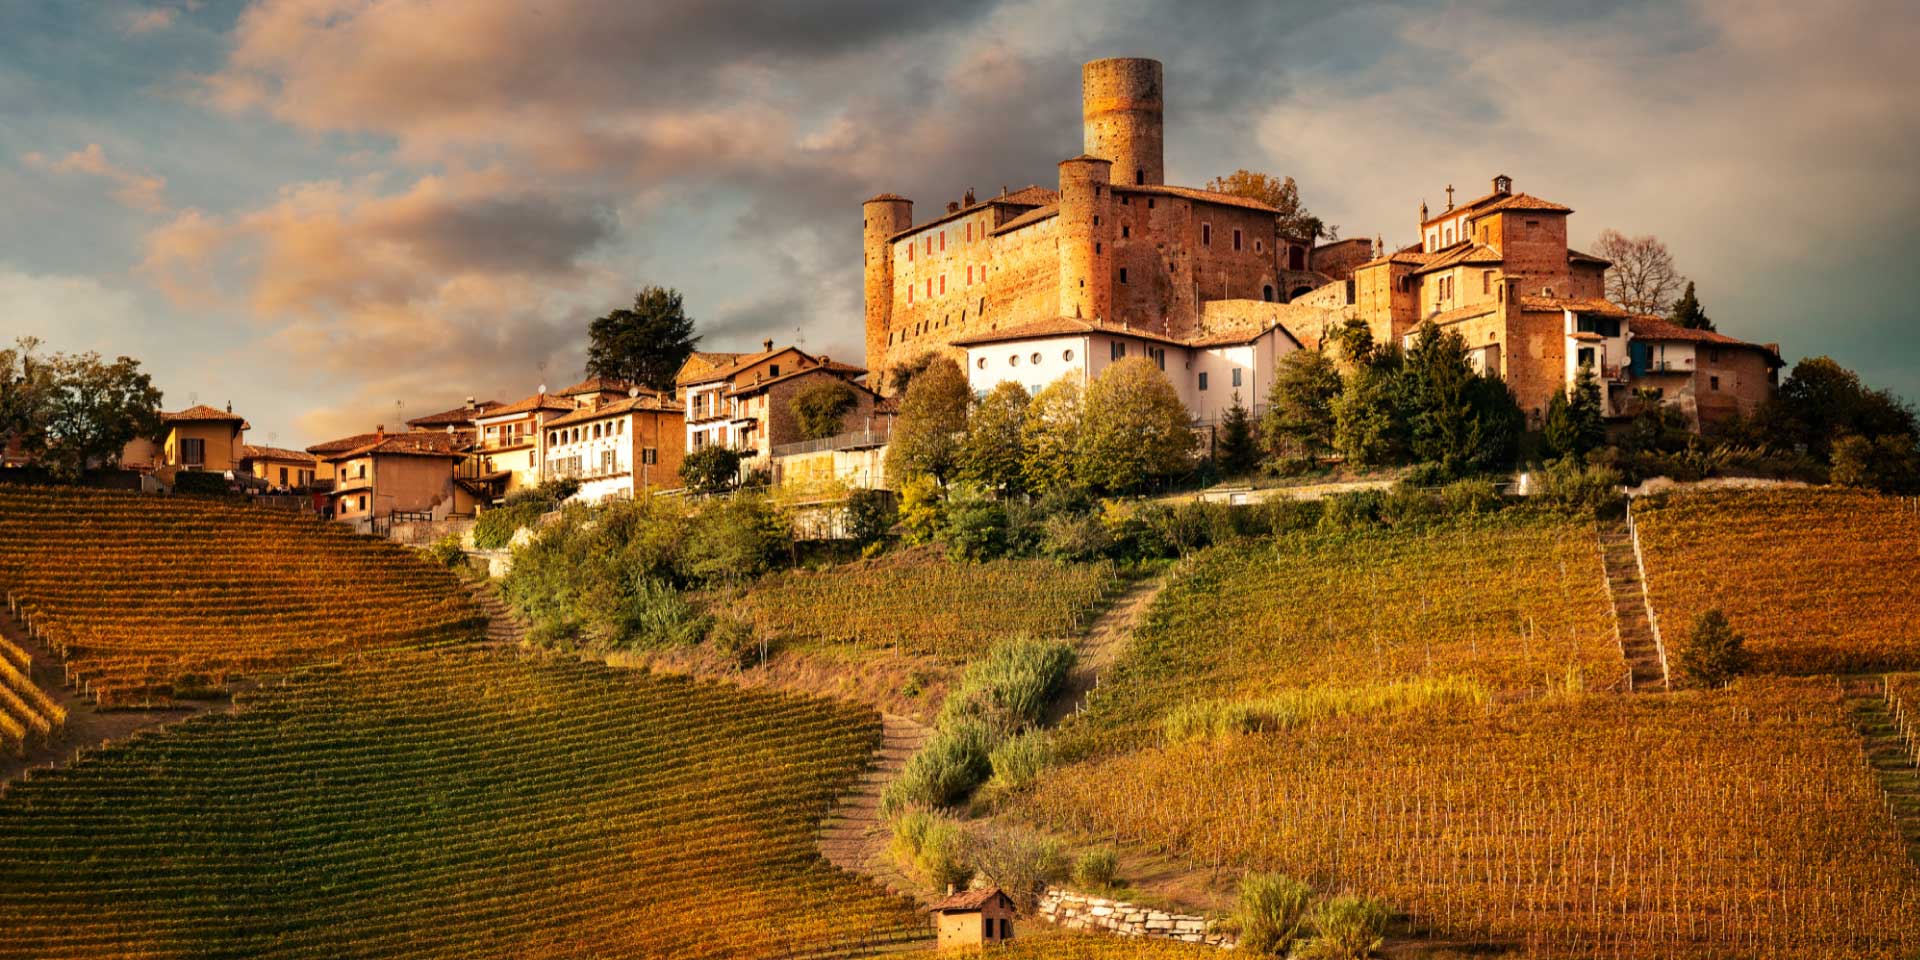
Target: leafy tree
<point x="26" y="387"/>
<point x="1574" y="423"/>
<point x="821" y="407"/>
<point x="1889" y="464"/>
<point x="1299" y="424"/>
<point x="976" y="524"/>
<point x="1283" y="195"/>
<point x="933" y="418"/>
<point x="1822" y="400"/>
<point x="1642" y="277"/>
<point x="896" y="380"/>
<point x="1134" y="429"/>
<point x="993" y="452"/>
<point x="1688" y="313"/>
<point x="1047" y="437"/>
<point x="1367" y="430"/>
<point x="710" y="469"/>
<point x="83" y="411"/>
<point x="922" y="513"/>
<point x="645" y="344"/>
<point x="1238" y="452"/>
<point x="870" y="515"/>
<point x="734" y="540"/>
<point x="1355" y="340"/>
<point x="1712" y="653"/>
<point x="1459" y="420"/>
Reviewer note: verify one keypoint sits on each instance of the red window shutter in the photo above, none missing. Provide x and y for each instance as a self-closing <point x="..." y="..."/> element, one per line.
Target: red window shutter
<point x="943" y="283"/>
<point x="943" y="240"/>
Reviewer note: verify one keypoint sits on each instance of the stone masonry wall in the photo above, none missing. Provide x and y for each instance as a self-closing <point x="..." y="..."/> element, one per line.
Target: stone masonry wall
<point x="1077" y="911"/>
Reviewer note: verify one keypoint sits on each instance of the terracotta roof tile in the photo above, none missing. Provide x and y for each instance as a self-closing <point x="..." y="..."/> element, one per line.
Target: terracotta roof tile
<point x="420" y="444"/>
<point x="1030" y="217"/>
<point x="1524" y="201"/>
<point x="642" y="403"/>
<point x="201" y="413"/>
<point x="1462" y="254"/>
<point x="1445" y="317"/>
<point x="455" y="417"/>
<point x="1030" y="196"/>
<point x="1656" y="328"/>
<point x="539" y="401"/>
<point x="1192" y="193"/>
<point x="845" y="371"/>
<point x="1575" y="256"/>
<point x="966" y="901"/>
<point x="1605" y="308"/>
<point x="250" y="452"/>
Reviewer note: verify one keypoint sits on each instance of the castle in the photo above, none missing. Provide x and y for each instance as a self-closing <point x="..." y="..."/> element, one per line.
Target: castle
<point x="1039" y="282"/>
<point x="1114" y="245"/>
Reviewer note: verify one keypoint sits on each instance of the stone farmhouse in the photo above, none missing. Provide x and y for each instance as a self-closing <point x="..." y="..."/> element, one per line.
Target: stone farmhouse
<point x="745" y="401"/>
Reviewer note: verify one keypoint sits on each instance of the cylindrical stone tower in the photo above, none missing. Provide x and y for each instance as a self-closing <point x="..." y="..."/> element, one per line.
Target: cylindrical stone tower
<point x="881" y="218"/>
<point x="1086" y="252"/>
<point x="1120" y="108"/>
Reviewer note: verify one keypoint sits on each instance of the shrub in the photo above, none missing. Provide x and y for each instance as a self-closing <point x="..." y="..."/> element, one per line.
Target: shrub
<point x="1567" y="486"/>
<point x="653" y="614"/>
<point x="1270" y="913"/>
<point x="711" y="469"/>
<point x="495" y="527"/>
<point x="1008" y="689"/>
<point x="1346" y="927"/>
<point x="1017" y="762"/>
<point x="944" y="771"/>
<point x="1096" y="869"/>
<point x="1889" y="464"/>
<point x="199" y="483"/>
<point x="819" y="408"/>
<point x="1469" y="497"/>
<point x="976" y="525"/>
<point x="1408" y="505"/>
<point x="931" y="848"/>
<point x="1282" y="514"/>
<point x="1074" y="537"/>
<point x="1713" y="653"/>
<point x="870" y="515"/>
<point x="734" y="539"/>
<point x="921" y="512"/>
<point x="734" y="638"/>
<point x="1351" y="511"/>
<point x="447" y="553"/>
<point x="1021" y="864"/>
<point x="1186" y="527"/>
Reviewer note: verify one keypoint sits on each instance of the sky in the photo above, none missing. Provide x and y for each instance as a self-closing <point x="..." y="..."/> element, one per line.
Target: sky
<point x="341" y="213"/>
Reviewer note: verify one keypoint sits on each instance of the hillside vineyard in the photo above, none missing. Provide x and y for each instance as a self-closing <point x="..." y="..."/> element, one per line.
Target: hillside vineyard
<point x="148" y="600"/>
<point x="422" y="804"/>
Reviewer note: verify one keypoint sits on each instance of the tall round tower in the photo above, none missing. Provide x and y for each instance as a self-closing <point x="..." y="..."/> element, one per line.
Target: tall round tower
<point x="881" y="218"/>
<point x="1121" y="105"/>
<point x="1084" y="225"/>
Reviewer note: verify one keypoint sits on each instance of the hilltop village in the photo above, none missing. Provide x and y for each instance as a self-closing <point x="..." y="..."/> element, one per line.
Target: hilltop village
<point x="1031" y="286"/>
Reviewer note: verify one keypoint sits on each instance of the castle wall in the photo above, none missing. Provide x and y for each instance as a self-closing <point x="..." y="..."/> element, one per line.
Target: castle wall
<point x="1384" y="297"/>
<point x="1533" y="247"/>
<point x="1086" y="252"/>
<point x="1338" y="259"/>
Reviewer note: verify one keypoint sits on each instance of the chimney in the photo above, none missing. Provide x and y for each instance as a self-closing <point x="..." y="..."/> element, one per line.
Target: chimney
<point x="471" y="404"/>
<point x="1502" y="184"/>
<point x="767" y="345"/>
<point x="949" y="889"/>
<point x="229" y="406"/>
<point x="968" y="199"/>
<point x="953" y="206"/>
<point x="380" y="434"/>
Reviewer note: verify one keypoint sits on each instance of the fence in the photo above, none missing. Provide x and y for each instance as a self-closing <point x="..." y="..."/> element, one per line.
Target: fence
<point x="873" y="436"/>
<point x="1646" y="597"/>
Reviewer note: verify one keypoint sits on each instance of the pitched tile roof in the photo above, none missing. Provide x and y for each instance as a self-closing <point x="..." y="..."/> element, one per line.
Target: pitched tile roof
<point x="344" y="443"/>
<point x="201" y="413"/>
<point x="455" y="417"/>
<point x="967" y="901"/>
<point x="845" y="371"/>
<point x="420" y="444"/>
<point x="1192" y="193"/>
<point x="1657" y="328"/>
<point x="642" y="403"/>
<point x="1605" y="308"/>
<point x="746" y="361"/>
<point x="601" y="385"/>
<point x="1575" y="256"/>
<point x="539" y="401"/>
<point x="1029" y="196"/>
<point x="1524" y="201"/>
<point x="250" y="452"/>
<point x="1461" y="254"/>
<point x="1030" y="217"/>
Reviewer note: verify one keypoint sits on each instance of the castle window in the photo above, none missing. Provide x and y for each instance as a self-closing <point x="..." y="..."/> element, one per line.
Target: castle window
<point x="1486" y="281"/>
<point x="1236" y="376"/>
<point x="1126" y="200"/>
<point x="969" y="233"/>
<point x="1149" y="203"/>
<point x="1203" y="379"/>
<point x="1035" y="359"/>
<point x="1066" y="355"/>
<point x="1126" y="232"/>
<point x="1236" y="239"/>
<point x="1139" y="176"/>
<point x="1096" y="246"/>
<point x="909" y="250"/>
<point x="969" y="275"/>
<point x="1266" y="293"/>
<point x="1206" y="234"/>
<point x="1096" y="219"/>
<point x="1713" y="383"/>
<point x="1259" y="246"/>
<point x="929" y="245"/>
<point x="909" y="293"/>
<point x="943" y="241"/>
<point x="981" y="363"/>
<point x="943" y="283"/>
<point x="983" y="300"/>
<point x="1013" y="361"/>
<point x="929" y="286"/>
<point x="1123" y="274"/>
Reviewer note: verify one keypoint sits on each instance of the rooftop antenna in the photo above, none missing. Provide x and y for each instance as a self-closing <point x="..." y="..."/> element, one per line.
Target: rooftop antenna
<point x="193" y="399"/>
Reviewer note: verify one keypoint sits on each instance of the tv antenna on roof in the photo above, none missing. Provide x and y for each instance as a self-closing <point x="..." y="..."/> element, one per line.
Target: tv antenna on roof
<point x="193" y="399"/>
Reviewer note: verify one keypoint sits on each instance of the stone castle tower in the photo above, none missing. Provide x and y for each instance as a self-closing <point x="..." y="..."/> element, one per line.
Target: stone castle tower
<point x="881" y="218"/>
<point x="1121" y="110"/>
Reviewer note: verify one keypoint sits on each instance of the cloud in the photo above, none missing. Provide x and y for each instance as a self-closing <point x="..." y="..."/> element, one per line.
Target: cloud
<point x="452" y="285"/>
<point x="140" y="191"/>
<point x="148" y="20"/>
<point x="68" y="312"/>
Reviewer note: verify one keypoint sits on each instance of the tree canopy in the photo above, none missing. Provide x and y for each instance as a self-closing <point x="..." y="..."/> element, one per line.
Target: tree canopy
<point x="993" y="453"/>
<point x="821" y="407"/>
<point x="1048" y="436"/>
<point x="1822" y="401"/>
<point x="645" y="344"/>
<point x="1133" y="429"/>
<point x="1299" y="424"/>
<point x="1688" y="313"/>
<point x="1280" y="193"/>
<point x="933" y="418"/>
<point x="1575" y="424"/>
<point x="72" y="412"/>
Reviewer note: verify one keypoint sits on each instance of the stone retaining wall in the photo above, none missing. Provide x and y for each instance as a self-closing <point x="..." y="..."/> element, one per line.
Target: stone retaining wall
<point x="1078" y="911"/>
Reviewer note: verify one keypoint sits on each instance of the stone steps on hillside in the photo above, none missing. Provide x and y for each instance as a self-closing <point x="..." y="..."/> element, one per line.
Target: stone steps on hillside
<point x="1638" y="645"/>
<point x="1887" y="754"/>
<point x="504" y="627"/>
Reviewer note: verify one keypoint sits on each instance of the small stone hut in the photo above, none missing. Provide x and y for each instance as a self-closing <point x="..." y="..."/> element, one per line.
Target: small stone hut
<point x="972" y="918"/>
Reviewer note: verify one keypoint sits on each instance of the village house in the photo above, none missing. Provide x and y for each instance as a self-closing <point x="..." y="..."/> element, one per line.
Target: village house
<point x="746" y="405"/>
<point x="200" y="438"/>
<point x="617" y="447"/>
<point x="458" y="421"/>
<point x="282" y="470"/>
<point x="407" y="473"/>
<point x="507" y="449"/>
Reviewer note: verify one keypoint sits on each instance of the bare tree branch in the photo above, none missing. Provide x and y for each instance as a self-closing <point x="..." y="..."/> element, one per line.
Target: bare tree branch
<point x="1642" y="277"/>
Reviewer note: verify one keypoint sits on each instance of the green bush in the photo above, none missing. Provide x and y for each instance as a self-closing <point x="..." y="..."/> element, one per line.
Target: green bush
<point x="1712" y="653"/>
<point x="733" y="539"/>
<point x="1009" y="689"/>
<point x="1346" y="927"/>
<point x="1096" y="869"/>
<point x="734" y="639"/>
<point x="871" y="515"/>
<point x="922" y="512"/>
<point x="976" y="524"/>
<point x="447" y="553"/>
<point x="710" y="470"/>
<point x="1351" y="511"/>
<point x="1571" y="488"/>
<point x="931" y="848"/>
<point x="653" y="614"/>
<point x="1406" y="505"/>
<point x="200" y="483"/>
<point x="1074" y="537"/>
<point x="944" y="771"/>
<point x="1018" y="760"/>
<point x="1889" y="464"/>
<point x="1470" y="497"/>
<point x="1282" y="514"/>
<point x="1270" y="913"/>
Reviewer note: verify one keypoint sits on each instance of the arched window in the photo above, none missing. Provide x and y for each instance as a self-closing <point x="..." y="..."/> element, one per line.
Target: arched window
<point x="1266" y="293"/>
